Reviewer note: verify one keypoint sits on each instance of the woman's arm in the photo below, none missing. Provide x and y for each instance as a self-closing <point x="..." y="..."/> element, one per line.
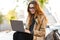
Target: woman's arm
<point x="41" y="32"/>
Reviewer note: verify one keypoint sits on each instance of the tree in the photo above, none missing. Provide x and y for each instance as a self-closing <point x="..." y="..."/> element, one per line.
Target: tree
<point x="11" y="15"/>
<point x="42" y="2"/>
<point x="1" y="18"/>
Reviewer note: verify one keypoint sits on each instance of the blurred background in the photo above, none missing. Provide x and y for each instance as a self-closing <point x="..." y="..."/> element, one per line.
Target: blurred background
<point x="17" y="10"/>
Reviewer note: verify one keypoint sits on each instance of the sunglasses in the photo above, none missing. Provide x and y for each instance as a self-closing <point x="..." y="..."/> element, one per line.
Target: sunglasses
<point x="31" y="8"/>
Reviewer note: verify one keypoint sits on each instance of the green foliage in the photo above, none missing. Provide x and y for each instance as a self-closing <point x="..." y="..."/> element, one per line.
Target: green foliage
<point x="1" y="18"/>
<point x="42" y="2"/>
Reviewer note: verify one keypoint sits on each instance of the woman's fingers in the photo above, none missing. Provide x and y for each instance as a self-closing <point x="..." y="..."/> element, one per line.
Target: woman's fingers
<point x="27" y="31"/>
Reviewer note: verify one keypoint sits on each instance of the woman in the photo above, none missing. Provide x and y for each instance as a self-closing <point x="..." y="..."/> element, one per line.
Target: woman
<point x="36" y="22"/>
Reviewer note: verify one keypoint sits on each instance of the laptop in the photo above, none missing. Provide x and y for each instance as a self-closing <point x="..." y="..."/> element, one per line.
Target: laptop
<point x="17" y="25"/>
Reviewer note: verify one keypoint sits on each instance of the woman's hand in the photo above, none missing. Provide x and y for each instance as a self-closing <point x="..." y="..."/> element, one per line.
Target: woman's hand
<point x="27" y="31"/>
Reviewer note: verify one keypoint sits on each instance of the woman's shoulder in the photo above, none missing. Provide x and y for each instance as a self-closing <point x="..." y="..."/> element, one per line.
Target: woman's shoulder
<point x="41" y="16"/>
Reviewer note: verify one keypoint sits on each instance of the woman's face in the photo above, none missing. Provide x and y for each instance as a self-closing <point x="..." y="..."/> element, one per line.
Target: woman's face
<point x="31" y="9"/>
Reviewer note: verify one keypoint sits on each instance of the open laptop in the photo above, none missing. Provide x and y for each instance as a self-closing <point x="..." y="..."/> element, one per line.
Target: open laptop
<point x="17" y="25"/>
